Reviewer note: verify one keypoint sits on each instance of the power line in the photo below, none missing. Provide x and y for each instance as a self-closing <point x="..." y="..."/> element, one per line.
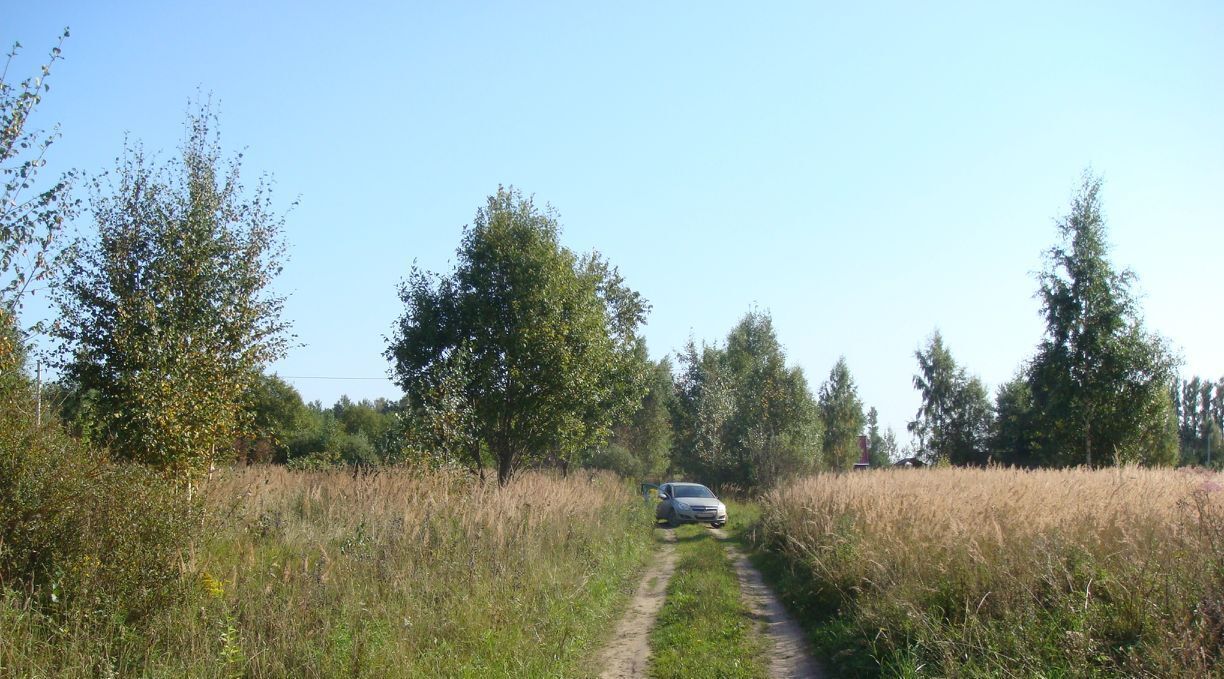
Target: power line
<point x="329" y="377"/>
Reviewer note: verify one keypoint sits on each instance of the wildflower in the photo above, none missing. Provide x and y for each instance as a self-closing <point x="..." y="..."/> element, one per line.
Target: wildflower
<point x="212" y="586"/>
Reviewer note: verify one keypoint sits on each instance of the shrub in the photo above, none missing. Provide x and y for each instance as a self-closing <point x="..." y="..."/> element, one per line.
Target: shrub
<point x="317" y="461"/>
<point x="79" y="534"/>
<point x="615" y="458"/>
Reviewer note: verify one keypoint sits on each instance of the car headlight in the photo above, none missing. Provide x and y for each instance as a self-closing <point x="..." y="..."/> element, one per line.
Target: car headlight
<point x="722" y="508"/>
<point x="681" y="506"/>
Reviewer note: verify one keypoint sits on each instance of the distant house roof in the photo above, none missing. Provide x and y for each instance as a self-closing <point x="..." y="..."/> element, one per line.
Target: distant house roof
<point x="909" y="462"/>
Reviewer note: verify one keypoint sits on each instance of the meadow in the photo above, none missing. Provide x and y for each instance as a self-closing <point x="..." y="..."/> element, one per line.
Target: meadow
<point x="1002" y="572"/>
<point x="396" y="573"/>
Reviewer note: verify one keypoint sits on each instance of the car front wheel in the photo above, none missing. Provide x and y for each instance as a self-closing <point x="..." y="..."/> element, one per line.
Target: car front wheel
<point x="672" y="521"/>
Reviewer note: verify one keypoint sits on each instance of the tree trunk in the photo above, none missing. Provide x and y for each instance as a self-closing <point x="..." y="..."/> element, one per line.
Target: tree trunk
<point x="477" y="462"/>
<point x="1088" y="442"/>
<point x="505" y="466"/>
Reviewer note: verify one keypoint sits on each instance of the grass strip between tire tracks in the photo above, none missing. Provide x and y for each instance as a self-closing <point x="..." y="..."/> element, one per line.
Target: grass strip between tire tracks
<point x="704" y="628"/>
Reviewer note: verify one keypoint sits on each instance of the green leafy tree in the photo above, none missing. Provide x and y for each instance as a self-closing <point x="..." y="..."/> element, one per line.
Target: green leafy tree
<point x="325" y="439"/>
<point x="442" y="428"/>
<point x="1217" y="407"/>
<point x="742" y="416"/>
<point x="889" y="450"/>
<point x="167" y="308"/>
<point x="704" y="406"/>
<point x="775" y="427"/>
<point x="841" y="412"/>
<point x="1099" y="381"/>
<point x="61" y="503"/>
<point x="936" y="382"/>
<point x="881" y="448"/>
<point x="1213" y="445"/>
<point x="973" y="425"/>
<point x="548" y="338"/>
<point x="649" y="433"/>
<point x="77" y="409"/>
<point x="379" y="423"/>
<point x="370" y="418"/>
<point x="275" y="415"/>
<point x="1198" y="405"/>
<point x="873" y="428"/>
<point x="1209" y="424"/>
<point x="1189" y="411"/>
<point x="640" y="447"/>
<point x="1014" y="432"/>
<point x="955" y="420"/>
<point x="32" y="213"/>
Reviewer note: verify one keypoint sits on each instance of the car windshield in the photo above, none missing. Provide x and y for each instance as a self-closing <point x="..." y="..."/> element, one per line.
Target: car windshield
<point x="692" y="491"/>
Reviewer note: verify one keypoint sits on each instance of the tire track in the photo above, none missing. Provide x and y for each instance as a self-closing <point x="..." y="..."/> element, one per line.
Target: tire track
<point x="627" y="656"/>
<point x="790" y="656"/>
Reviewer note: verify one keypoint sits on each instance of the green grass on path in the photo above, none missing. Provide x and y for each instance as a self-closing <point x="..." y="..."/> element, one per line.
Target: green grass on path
<point x="704" y="628"/>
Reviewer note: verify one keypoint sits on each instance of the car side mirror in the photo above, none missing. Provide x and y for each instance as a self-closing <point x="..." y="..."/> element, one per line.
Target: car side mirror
<point x="662" y="496"/>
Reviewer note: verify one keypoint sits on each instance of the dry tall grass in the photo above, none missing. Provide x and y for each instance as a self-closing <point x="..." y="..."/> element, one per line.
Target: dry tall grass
<point x="1009" y="573"/>
<point x="394" y="574"/>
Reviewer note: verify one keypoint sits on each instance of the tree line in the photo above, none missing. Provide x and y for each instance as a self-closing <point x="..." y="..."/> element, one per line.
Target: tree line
<point x="1099" y="389"/>
<point x="1199" y="403"/>
<point x="527" y="353"/>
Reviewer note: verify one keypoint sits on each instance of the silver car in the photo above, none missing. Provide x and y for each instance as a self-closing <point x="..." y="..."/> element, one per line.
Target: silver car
<point x="689" y="503"/>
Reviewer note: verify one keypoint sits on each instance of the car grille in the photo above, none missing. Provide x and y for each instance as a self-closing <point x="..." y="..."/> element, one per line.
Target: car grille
<point x="700" y="508"/>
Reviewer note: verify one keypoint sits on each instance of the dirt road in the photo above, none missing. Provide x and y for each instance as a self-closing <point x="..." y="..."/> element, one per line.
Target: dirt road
<point x="628" y="654"/>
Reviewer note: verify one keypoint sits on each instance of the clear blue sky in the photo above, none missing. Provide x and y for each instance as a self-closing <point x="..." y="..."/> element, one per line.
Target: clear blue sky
<point x="866" y="172"/>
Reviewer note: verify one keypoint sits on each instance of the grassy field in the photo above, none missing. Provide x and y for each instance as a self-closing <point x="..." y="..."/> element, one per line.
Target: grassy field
<point x="396" y="574"/>
<point x="947" y="572"/>
<point x="704" y="628"/>
<point x="974" y="572"/>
